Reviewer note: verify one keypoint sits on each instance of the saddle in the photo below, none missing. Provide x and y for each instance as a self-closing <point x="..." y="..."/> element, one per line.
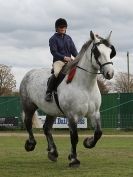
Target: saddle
<point x="60" y="78"/>
<point x="62" y="75"/>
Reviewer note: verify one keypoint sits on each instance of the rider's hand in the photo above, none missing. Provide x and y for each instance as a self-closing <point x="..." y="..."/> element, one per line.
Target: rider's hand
<point x="68" y="59"/>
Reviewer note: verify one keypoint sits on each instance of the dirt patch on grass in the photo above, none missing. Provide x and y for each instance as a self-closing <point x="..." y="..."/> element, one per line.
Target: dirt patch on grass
<point x="4" y="134"/>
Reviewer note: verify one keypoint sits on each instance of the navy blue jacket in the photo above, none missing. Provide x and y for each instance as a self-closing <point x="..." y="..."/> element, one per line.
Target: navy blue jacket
<point x="62" y="46"/>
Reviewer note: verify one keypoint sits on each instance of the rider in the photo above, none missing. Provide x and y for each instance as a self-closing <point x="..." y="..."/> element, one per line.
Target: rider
<point x="61" y="47"/>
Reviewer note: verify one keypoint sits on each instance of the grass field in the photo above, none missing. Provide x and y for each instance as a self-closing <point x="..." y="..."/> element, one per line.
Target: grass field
<point x="112" y="157"/>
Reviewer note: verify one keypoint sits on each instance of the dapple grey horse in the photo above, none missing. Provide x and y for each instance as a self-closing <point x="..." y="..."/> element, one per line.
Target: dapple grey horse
<point x="80" y="98"/>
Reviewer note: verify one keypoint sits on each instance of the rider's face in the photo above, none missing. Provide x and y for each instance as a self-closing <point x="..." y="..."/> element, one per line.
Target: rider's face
<point x="61" y="29"/>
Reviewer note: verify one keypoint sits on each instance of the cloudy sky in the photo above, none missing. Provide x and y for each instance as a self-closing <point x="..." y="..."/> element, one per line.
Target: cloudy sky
<point x="27" y="25"/>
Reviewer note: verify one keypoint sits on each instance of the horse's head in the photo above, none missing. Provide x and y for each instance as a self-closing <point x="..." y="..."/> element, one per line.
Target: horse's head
<point x="101" y="54"/>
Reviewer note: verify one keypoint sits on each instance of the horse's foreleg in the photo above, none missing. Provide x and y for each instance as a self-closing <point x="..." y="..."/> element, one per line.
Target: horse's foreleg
<point x="96" y="123"/>
<point x="74" y="141"/>
<point x="47" y="127"/>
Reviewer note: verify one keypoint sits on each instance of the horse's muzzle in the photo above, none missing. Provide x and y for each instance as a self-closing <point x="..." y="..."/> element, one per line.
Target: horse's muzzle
<point x="109" y="75"/>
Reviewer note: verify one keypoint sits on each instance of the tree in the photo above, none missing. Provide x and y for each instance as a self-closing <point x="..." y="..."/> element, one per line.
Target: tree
<point x="7" y="80"/>
<point x="103" y="86"/>
<point x="121" y="82"/>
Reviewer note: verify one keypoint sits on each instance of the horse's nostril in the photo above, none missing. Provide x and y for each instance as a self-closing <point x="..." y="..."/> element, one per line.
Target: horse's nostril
<point x="108" y="75"/>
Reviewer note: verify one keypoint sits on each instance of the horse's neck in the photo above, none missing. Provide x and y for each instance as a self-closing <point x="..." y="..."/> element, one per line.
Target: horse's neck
<point x="84" y="78"/>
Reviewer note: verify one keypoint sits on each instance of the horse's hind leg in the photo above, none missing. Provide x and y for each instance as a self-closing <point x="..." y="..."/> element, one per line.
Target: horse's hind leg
<point x="47" y="127"/>
<point x="91" y="142"/>
<point x="29" y="110"/>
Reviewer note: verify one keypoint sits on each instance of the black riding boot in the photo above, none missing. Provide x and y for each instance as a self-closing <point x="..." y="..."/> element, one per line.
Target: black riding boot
<point x="53" y="83"/>
<point x="51" y="86"/>
<point x="59" y="79"/>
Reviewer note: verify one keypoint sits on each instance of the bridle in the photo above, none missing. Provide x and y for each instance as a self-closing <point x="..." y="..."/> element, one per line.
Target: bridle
<point x="96" y="53"/>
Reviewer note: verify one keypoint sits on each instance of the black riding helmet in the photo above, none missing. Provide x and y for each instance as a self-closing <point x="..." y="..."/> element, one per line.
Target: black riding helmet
<point x="60" y="23"/>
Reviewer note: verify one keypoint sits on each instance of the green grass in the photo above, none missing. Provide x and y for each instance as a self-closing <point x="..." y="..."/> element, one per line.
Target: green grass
<point x="112" y="157"/>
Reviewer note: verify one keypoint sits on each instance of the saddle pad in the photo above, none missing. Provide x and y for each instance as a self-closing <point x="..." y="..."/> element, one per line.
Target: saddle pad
<point x="71" y="75"/>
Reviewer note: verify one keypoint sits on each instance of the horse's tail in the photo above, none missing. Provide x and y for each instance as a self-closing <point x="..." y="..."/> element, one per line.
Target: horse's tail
<point x="36" y="122"/>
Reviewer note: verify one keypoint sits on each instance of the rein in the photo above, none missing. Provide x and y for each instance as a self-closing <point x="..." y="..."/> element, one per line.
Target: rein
<point x="87" y="70"/>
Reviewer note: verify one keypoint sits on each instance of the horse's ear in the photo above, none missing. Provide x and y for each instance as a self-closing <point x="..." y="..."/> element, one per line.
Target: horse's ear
<point x="109" y="36"/>
<point x="92" y="35"/>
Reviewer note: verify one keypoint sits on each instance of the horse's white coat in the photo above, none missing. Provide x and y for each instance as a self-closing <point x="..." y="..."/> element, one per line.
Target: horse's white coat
<point x="79" y="98"/>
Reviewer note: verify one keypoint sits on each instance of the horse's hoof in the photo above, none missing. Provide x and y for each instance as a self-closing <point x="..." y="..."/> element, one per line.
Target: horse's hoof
<point x="30" y="145"/>
<point x="89" y="143"/>
<point x="71" y="156"/>
<point x="74" y="163"/>
<point x="53" y="156"/>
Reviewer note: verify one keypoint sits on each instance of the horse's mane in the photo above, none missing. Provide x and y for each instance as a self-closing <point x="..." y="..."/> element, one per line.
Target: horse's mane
<point x="77" y="58"/>
<point x="85" y="46"/>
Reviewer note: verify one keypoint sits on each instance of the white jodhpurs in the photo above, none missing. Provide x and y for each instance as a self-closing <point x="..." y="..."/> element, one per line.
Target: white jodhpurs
<point x="57" y="67"/>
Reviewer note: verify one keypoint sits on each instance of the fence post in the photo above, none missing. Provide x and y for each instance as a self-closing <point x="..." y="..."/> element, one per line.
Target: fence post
<point x="119" y="114"/>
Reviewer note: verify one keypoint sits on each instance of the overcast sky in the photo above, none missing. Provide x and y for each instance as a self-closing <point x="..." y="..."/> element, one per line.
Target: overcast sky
<point x="27" y="25"/>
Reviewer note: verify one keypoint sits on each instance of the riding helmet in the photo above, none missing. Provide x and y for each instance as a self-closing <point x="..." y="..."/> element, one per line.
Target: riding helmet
<point x="60" y="22"/>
